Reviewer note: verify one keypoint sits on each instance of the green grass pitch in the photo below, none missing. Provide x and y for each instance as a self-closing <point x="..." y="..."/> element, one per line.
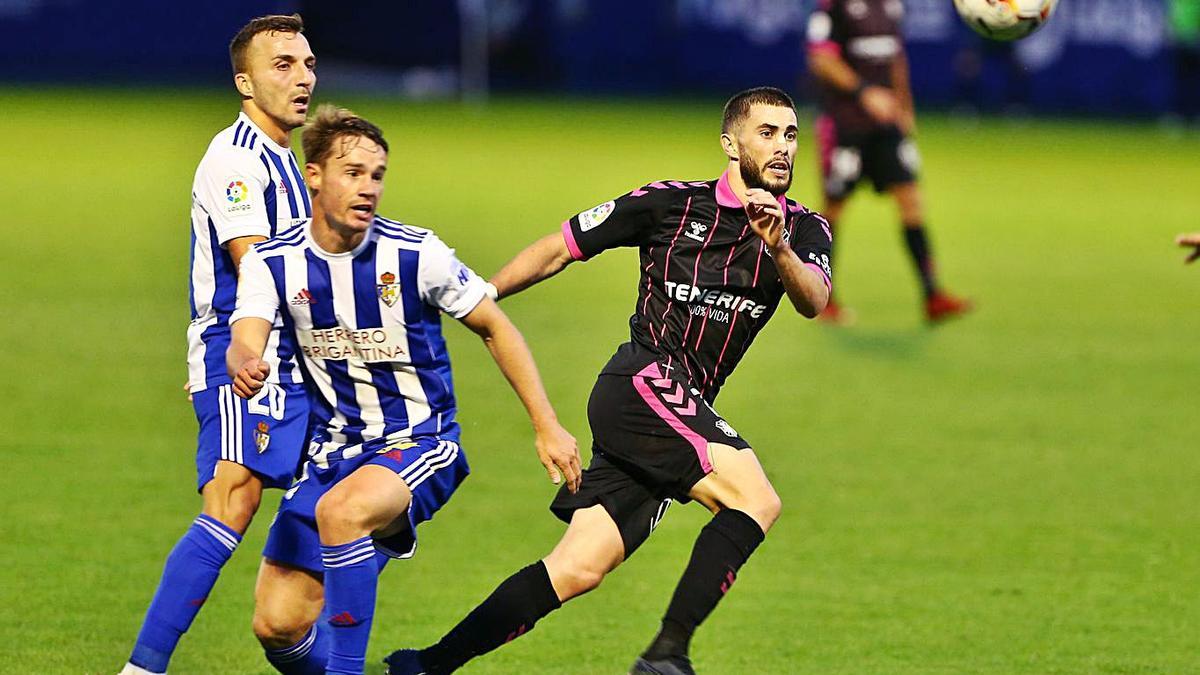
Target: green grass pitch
<point x="1015" y="492"/>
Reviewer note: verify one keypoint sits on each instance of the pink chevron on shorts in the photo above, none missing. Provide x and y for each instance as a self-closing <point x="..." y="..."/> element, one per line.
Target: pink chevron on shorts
<point x="653" y="375"/>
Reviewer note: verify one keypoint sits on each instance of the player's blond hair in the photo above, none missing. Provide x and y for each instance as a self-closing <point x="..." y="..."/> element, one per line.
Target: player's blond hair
<point x="331" y="123"/>
<point x="272" y="23"/>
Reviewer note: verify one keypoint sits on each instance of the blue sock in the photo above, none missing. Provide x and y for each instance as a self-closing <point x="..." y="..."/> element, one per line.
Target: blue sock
<point x="306" y="657"/>
<point x="351" y="577"/>
<point x="188" y="577"/>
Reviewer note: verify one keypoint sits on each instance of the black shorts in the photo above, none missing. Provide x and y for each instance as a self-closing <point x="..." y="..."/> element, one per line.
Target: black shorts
<point x="650" y="437"/>
<point x="885" y="155"/>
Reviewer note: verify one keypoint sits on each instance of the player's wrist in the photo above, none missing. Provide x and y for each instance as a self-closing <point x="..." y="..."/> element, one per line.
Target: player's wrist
<point x="857" y="92"/>
<point x="492" y="292"/>
<point x="544" y="421"/>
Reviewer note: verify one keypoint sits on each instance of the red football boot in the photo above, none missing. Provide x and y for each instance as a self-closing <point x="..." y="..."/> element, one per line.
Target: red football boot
<point x="942" y="306"/>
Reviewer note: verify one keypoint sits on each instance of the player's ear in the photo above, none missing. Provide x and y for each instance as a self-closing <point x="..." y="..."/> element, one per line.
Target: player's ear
<point x="729" y="146"/>
<point x="244" y="86"/>
<point x="312" y="176"/>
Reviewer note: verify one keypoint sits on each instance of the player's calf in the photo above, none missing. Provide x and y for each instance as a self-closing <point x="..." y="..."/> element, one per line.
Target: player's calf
<point x="287" y="604"/>
<point x="232" y="496"/>
<point x="590" y="549"/>
<point x="746" y="506"/>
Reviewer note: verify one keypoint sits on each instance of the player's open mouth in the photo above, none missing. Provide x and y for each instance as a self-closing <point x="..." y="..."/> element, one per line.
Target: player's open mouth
<point x="780" y="168"/>
<point x="364" y="210"/>
<point x="301" y="103"/>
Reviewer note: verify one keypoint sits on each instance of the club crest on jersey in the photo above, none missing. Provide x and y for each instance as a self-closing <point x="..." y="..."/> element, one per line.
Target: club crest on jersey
<point x="262" y="437"/>
<point x="389" y="290"/>
<point x="593" y="218"/>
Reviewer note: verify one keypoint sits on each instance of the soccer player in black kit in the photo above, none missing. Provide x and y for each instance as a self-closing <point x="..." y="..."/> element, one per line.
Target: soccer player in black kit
<point x="856" y="54"/>
<point x="717" y="256"/>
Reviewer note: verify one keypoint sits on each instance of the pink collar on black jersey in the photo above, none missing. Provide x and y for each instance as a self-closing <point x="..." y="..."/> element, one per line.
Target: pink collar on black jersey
<point x="727" y="198"/>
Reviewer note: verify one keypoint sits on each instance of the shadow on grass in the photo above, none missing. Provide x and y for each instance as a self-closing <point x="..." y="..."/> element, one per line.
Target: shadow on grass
<point x="893" y="344"/>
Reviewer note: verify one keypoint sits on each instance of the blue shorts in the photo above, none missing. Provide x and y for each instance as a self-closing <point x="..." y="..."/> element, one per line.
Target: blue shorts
<point x="432" y="467"/>
<point x="266" y="434"/>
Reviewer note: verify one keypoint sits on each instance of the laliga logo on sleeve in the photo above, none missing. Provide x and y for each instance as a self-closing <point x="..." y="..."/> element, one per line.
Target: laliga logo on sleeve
<point x="237" y="197"/>
<point x="389" y="290"/>
<point x="236" y="191"/>
<point x="593" y="218"/>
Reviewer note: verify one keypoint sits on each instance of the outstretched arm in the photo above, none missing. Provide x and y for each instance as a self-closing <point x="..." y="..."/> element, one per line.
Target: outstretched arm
<point x="556" y="447"/>
<point x="540" y="260"/>
<point x="805" y="288"/>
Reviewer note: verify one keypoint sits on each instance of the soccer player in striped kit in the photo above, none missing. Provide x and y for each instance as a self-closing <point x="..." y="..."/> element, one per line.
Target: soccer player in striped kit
<point x="247" y="188"/>
<point x="362" y="296"/>
<point x="716" y="258"/>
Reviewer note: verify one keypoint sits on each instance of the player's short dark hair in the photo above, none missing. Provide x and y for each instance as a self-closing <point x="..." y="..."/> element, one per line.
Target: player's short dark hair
<point x="331" y="123"/>
<point x="272" y="23"/>
<point x="739" y="106"/>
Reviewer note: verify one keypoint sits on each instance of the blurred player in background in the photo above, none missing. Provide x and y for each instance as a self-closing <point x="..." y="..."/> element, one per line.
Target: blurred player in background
<point x="247" y="188"/>
<point x="856" y="54"/>
<point x="1190" y="240"/>
<point x="716" y="258"/>
<point x="362" y="296"/>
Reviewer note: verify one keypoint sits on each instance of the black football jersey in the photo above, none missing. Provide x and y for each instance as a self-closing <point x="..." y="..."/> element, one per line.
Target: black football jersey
<point x="867" y="35"/>
<point x="708" y="284"/>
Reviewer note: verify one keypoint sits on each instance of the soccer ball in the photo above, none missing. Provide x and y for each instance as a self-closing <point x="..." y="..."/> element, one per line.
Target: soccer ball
<point x="1005" y="19"/>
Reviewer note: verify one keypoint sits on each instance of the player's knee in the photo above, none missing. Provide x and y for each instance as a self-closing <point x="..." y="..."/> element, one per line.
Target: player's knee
<point x="765" y="509"/>
<point x="344" y="511"/>
<point x="276" y="630"/>
<point x="575" y="577"/>
<point x="337" y="509"/>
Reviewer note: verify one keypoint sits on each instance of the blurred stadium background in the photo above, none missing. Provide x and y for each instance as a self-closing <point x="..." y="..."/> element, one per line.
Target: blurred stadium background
<point x="1012" y="493"/>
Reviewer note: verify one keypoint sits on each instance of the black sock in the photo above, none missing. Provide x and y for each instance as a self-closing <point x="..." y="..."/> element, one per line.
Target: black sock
<point x="922" y="256"/>
<point x="508" y="613"/>
<point x="722" y="547"/>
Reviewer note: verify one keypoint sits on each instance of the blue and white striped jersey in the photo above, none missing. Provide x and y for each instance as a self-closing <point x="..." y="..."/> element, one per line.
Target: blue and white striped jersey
<point x="368" y="329"/>
<point x="246" y="185"/>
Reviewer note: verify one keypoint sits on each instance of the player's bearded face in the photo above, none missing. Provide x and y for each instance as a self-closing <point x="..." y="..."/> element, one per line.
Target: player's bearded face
<point x="764" y="174"/>
<point x="766" y="147"/>
<point x="282" y="69"/>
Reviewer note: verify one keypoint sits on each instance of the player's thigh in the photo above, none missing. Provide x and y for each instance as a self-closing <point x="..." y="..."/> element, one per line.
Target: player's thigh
<point x="369" y="499"/>
<point x="889" y="159"/>
<point x="591" y="548"/>
<point x="737" y="481"/>
<point x="287" y="601"/>
<point x="265" y="434"/>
